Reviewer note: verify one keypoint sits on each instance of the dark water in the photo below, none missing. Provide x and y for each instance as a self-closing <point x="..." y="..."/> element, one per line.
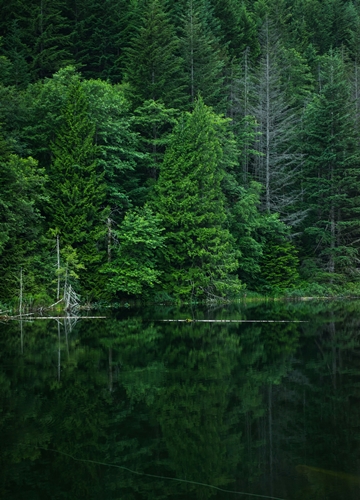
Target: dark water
<point x="134" y="408"/>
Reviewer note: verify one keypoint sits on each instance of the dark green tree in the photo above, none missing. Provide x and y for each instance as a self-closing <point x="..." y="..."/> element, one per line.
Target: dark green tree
<point x="238" y="27"/>
<point x="203" y="54"/>
<point x="199" y="255"/>
<point x="331" y="174"/>
<point x="100" y="31"/>
<point x="153" y="63"/>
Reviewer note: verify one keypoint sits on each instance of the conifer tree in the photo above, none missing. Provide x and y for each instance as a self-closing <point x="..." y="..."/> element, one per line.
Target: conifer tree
<point x="199" y="254"/>
<point x="238" y="27"/>
<point x="21" y="188"/>
<point x="331" y="172"/>
<point x="77" y="188"/>
<point x="42" y="35"/>
<point x="203" y="55"/>
<point x="152" y="62"/>
<point x="132" y="267"/>
<point x="100" y="31"/>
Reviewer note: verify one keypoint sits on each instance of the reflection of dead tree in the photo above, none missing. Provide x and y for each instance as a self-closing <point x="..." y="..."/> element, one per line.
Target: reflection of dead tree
<point x="68" y="323"/>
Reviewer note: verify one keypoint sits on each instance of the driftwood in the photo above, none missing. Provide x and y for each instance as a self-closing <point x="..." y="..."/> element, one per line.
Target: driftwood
<point x="232" y="321"/>
<point x="19" y="318"/>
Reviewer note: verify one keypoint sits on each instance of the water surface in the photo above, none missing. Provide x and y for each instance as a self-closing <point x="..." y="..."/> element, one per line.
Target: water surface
<point x="133" y="407"/>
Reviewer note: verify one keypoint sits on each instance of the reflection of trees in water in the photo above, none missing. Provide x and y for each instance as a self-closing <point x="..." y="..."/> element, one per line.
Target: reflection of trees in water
<point x="236" y="406"/>
<point x="315" y="409"/>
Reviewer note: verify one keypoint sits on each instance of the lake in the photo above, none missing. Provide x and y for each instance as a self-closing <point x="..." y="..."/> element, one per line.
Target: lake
<point x="135" y="407"/>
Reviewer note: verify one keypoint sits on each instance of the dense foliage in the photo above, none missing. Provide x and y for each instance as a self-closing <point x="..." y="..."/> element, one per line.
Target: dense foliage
<point x="179" y="149"/>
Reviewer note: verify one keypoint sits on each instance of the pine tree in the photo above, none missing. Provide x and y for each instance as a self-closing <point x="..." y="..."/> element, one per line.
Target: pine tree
<point x="41" y="36"/>
<point x="154" y="123"/>
<point x="100" y="31"/>
<point x="199" y="255"/>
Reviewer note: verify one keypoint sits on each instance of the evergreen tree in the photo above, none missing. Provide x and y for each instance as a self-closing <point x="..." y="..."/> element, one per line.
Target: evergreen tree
<point x="238" y="27"/>
<point x="154" y="122"/>
<point x="199" y="255"/>
<point x="331" y="174"/>
<point x="202" y="54"/>
<point x="152" y="64"/>
<point x="100" y="31"/>
<point x="118" y="147"/>
<point x="76" y="186"/>
<point x="16" y="51"/>
<point x="41" y="33"/>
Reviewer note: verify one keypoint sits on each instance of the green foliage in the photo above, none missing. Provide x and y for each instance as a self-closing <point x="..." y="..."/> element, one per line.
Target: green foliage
<point x="199" y="254"/>
<point x="106" y="132"/>
<point x="21" y="190"/>
<point x="202" y="55"/>
<point x="152" y="64"/>
<point x="279" y="266"/>
<point x="76" y="186"/>
<point x="132" y="266"/>
<point x="238" y="27"/>
<point x="154" y="122"/>
<point x="117" y="144"/>
<point x="331" y="176"/>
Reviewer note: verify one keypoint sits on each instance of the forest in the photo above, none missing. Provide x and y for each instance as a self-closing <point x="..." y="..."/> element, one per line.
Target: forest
<point x="179" y="150"/>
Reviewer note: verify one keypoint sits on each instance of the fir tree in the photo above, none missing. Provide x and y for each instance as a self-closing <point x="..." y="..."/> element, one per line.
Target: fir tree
<point x="238" y="27"/>
<point x="199" y="255"/>
<point x="132" y="267"/>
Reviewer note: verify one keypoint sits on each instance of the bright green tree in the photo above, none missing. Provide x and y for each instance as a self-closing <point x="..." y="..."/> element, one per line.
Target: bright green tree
<point x="76" y="186"/>
<point x="199" y="254"/>
<point x="132" y="261"/>
<point x="154" y="122"/>
<point x="21" y="189"/>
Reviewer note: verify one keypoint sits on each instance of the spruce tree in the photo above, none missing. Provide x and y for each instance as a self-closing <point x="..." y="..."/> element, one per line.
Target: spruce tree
<point x="238" y="27"/>
<point x="199" y="255"/>
<point x="100" y="31"/>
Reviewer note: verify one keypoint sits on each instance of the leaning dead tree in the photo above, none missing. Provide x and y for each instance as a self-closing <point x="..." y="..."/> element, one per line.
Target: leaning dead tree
<point x="71" y="298"/>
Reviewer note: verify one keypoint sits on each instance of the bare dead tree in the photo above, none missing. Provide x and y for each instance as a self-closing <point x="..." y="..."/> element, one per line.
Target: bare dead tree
<point x="278" y="163"/>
